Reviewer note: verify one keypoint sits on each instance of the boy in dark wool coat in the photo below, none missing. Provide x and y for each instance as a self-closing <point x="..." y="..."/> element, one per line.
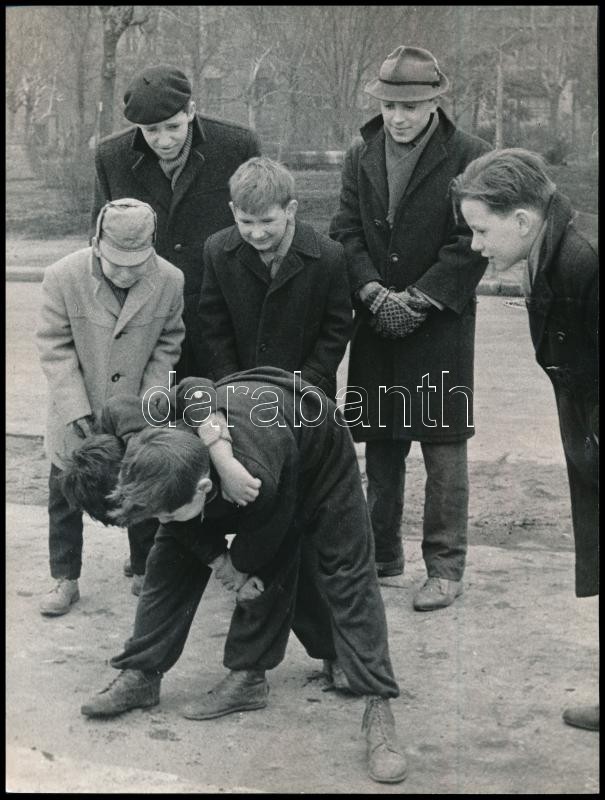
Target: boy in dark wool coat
<point x="515" y="212"/>
<point x="274" y="291"/>
<point x="179" y="162"/>
<point x="413" y="278"/>
<point x="291" y="438"/>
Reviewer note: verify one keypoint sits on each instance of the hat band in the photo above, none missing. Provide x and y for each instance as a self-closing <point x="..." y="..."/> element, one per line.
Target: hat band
<point x="410" y="83"/>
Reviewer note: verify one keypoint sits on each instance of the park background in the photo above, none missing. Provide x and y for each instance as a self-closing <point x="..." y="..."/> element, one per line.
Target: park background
<point x="483" y="682"/>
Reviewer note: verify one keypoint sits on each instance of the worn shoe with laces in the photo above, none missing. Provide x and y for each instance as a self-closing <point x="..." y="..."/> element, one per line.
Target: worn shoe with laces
<point x="386" y="761"/>
<point x="240" y="690"/>
<point x="587" y="717"/>
<point x="60" y="598"/>
<point x="132" y="688"/>
<point x="137" y="584"/>
<point x="437" y="593"/>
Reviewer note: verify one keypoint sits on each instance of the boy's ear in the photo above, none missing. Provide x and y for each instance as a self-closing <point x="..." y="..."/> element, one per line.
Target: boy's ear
<point x="191" y="112"/>
<point x="204" y="485"/>
<point x="94" y="243"/>
<point x="524" y="220"/>
<point x="291" y="209"/>
<point x="232" y="207"/>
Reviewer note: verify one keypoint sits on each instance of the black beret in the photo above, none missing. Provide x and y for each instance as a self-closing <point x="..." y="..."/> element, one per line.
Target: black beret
<point x="155" y="94"/>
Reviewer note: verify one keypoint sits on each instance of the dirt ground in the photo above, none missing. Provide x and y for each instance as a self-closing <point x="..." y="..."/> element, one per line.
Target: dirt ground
<point x="482" y="683"/>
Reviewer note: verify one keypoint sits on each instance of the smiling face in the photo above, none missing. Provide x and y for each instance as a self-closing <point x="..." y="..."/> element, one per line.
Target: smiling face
<point x="264" y="231"/>
<point x="404" y="121"/>
<point x="123" y="277"/>
<point x="167" y="138"/>
<point x="504" y="239"/>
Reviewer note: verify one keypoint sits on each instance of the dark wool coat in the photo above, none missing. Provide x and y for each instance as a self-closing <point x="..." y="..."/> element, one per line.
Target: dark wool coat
<point x="127" y="167"/>
<point x="300" y="320"/>
<point x="426" y="247"/>
<point x="563" y="316"/>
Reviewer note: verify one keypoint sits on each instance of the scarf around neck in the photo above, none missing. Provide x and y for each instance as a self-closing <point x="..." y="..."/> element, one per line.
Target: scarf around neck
<point x="401" y="160"/>
<point x="173" y="167"/>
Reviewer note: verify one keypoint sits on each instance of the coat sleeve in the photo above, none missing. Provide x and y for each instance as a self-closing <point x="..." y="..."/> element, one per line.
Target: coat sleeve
<point x="168" y="346"/>
<point x="215" y="323"/>
<point x="346" y="226"/>
<point x="264" y="523"/>
<point x="337" y="321"/>
<point x="58" y="355"/>
<point x="453" y="278"/>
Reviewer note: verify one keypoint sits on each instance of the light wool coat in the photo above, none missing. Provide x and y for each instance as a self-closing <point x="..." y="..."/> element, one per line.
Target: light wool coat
<point x="91" y="348"/>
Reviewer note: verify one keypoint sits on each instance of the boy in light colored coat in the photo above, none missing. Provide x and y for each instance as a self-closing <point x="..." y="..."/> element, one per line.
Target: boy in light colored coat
<point x="110" y="323"/>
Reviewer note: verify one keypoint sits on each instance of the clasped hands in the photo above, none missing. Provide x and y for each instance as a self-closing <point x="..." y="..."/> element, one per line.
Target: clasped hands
<point x="394" y="314"/>
<point x="248" y="587"/>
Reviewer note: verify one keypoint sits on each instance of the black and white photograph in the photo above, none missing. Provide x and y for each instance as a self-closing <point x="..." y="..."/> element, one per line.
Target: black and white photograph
<point x="302" y="399"/>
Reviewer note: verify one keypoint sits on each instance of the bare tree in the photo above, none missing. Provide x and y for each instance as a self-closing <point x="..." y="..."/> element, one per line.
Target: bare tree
<point x="116" y="20"/>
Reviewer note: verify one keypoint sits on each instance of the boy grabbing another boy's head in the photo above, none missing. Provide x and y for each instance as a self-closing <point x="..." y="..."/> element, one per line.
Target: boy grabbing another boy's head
<point x="111" y="323"/>
<point x="274" y="292"/>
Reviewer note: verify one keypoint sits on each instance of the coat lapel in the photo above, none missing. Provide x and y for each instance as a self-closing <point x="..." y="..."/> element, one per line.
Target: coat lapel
<point x="252" y="261"/>
<point x="137" y="296"/>
<point x="147" y="171"/>
<point x="102" y="291"/>
<point x="434" y="153"/>
<point x="291" y="266"/>
<point x="187" y="177"/>
<point x="373" y="162"/>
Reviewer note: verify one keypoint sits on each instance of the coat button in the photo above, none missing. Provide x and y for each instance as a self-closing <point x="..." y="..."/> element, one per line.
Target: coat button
<point x="378" y="223"/>
<point x="394" y="258"/>
<point x="115" y="377"/>
<point x="262" y="348"/>
<point x="178" y="247"/>
<point x="561" y="336"/>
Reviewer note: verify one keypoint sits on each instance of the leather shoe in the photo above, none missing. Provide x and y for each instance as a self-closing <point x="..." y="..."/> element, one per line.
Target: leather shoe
<point x="437" y="593"/>
<point x="386" y="761"/>
<point x="240" y="690"/>
<point x="131" y="689"/>
<point x="582" y="717"/>
<point x="387" y="569"/>
<point x="60" y="598"/>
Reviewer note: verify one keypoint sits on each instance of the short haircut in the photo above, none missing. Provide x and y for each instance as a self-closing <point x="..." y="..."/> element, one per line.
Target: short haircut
<point x="259" y="184"/>
<point x="505" y="180"/>
<point x="91" y="474"/>
<point x="160" y="472"/>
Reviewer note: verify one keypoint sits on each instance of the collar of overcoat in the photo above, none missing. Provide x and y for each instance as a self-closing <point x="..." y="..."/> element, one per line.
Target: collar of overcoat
<point x="137" y="295"/>
<point x="373" y="159"/>
<point x="559" y="216"/>
<point x="148" y="171"/>
<point x="304" y="243"/>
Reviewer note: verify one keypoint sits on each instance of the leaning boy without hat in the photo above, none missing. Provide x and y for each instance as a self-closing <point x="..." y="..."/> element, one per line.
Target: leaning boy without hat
<point x="179" y="162"/>
<point x="413" y="278"/>
<point x="111" y="324"/>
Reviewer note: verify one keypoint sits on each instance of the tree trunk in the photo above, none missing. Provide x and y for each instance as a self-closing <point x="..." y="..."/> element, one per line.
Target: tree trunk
<point x="108" y="81"/>
<point x="553" y="114"/>
<point x="499" y="101"/>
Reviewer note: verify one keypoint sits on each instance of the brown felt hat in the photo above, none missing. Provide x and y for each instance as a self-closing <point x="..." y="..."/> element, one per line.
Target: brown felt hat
<point x="408" y="75"/>
<point x="155" y="94"/>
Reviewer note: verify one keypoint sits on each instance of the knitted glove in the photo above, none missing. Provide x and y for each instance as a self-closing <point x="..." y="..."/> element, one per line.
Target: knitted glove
<point x="84" y="427"/>
<point x="397" y="314"/>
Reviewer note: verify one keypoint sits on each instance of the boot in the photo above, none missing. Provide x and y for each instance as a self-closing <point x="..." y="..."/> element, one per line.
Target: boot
<point x="240" y="690"/>
<point x="131" y="689"/>
<point x="437" y="593"/>
<point x="586" y="717"/>
<point x="60" y="598"/>
<point x="386" y="761"/>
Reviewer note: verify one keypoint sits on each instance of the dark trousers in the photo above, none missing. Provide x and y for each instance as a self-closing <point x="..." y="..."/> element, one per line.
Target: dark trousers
<point x="65" y="540"/>
<point x="324" y="589"/>
<point x="581" y="449"/>
<point x="444" y="541"/>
